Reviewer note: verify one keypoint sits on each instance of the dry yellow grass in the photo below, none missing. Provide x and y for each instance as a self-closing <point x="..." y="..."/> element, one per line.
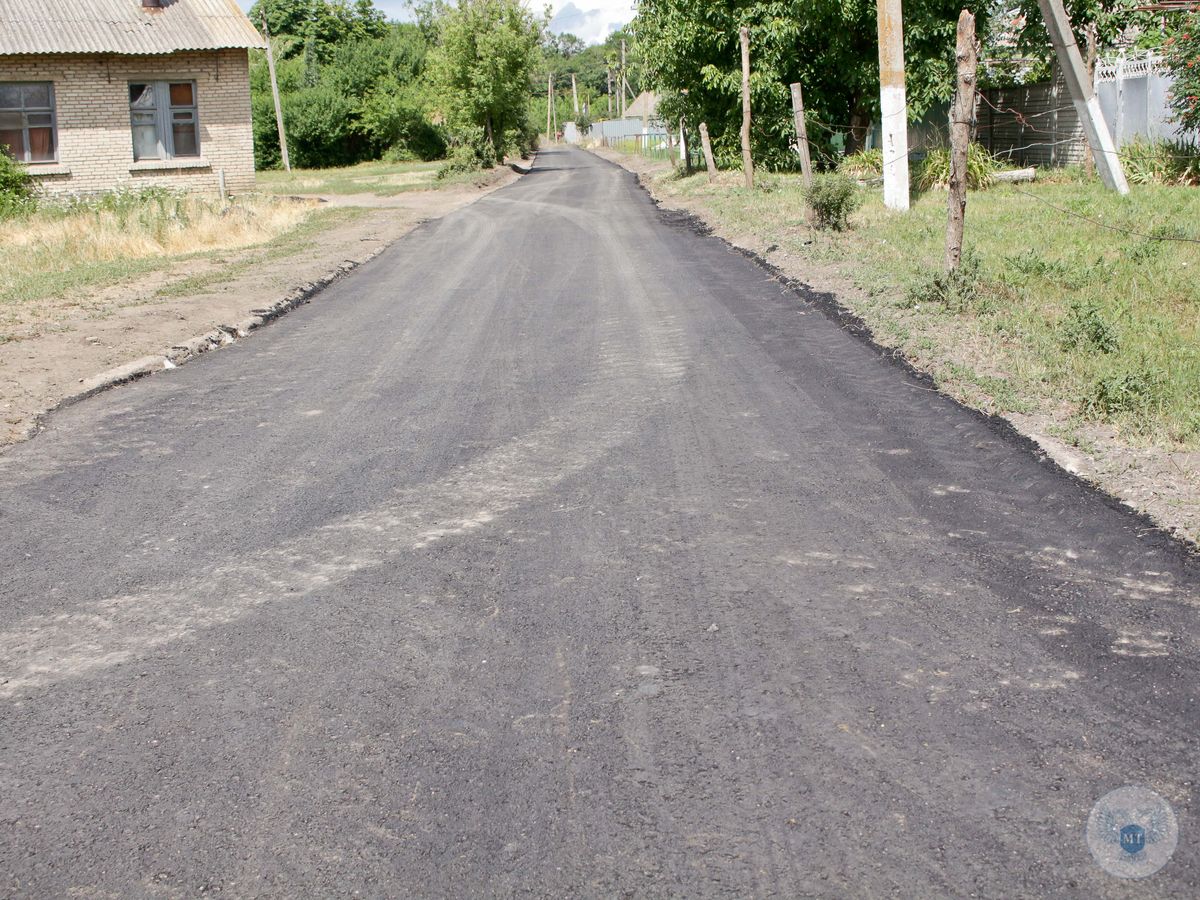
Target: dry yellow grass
<point x="62" y="247"/>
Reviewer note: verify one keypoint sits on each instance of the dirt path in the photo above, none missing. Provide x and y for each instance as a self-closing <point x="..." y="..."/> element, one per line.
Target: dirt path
<point x="1163" y="484"/>
<point x="85" y="336"/>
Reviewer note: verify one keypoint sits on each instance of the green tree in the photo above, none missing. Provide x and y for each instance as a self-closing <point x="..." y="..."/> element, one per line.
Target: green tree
<point x="829" y="46"/>
<point x="487" y="53"/>
<point x="320" y="25"/>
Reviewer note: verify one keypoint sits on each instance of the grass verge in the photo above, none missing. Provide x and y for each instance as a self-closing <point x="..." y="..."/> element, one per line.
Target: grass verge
<point x="64" y="247"/>
<point x="383" y="179"/>
<point x="1051" y="311"/>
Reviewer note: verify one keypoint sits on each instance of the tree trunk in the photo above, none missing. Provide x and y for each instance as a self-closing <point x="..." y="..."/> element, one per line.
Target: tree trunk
<point x="747" y="159"/>
<point x="706" y="145"/>
<point x="962" y="113"/>
<point x="860" y="125"/>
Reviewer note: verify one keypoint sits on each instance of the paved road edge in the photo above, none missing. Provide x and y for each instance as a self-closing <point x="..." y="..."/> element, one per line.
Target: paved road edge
<point x="224" y="335"/>
<point x="1044" y="449"/>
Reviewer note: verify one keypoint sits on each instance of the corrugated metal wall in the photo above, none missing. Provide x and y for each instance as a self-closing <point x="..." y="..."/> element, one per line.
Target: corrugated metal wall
<point x="1032" y="125"/>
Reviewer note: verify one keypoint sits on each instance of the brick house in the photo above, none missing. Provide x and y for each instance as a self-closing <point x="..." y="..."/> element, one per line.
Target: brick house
<point x="100" y="94"/>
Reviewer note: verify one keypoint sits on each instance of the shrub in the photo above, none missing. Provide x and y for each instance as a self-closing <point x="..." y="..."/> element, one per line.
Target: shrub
<point x="832" y="198"/>
<point x="462" y="160"/>
<point x="934" y="170"/>
<point x="863" y="164"/>
<point x="1132" y="391"/>
<point x="318" y="128"/>
<point x="1161" y="162"/>
<point x="1182" y="56"/>
<point x="956" y="291"/>
<point x="1085" y="328"/>
<point x="16" y="187"/>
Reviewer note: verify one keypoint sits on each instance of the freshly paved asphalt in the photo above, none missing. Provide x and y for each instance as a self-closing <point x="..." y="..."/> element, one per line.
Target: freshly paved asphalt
<point x="561" y="551"/>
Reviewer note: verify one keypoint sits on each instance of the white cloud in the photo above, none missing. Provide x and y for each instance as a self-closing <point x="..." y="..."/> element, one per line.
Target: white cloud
<point x="592" y="21"/>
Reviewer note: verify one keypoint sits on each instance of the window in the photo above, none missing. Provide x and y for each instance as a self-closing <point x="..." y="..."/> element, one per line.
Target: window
<point x="163" y="117"/>
<point x="27" y="121"/>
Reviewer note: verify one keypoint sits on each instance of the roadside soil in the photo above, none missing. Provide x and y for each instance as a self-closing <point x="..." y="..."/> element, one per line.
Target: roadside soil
<point x="71" y="341"/>
<point x="1159" y="482"/>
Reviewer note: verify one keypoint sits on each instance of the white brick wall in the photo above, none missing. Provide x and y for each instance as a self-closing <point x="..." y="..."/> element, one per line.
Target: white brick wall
<point x="95" y="142"/>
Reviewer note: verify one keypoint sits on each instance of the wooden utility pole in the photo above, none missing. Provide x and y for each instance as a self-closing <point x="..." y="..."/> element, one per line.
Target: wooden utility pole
<point x="892" y="104"/>
<point x="549" y="104"/>
<point x="575" y="94"/>
<point x="624" y="81"/>
<point x="962" y="114"/>
<point x="1104" y="150"/>
<point x="706" y="146"/>
<point x="801" y="134"/>
<point x="283" y="151"/>
<point x="747" y="159"/>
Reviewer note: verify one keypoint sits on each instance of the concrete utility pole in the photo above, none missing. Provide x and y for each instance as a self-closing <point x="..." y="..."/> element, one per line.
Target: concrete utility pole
<point x="624" y="81"/>
<point x="706" y="145"/>
<point x="283" y="151"/>
<point x="1104" y="150"/>
<point x="1092" y="40"/>
<point x="574" y="94"/>
<point x="892" y="104"/>
<point x="608" y="72"/>
<point x="962" y="116"/>
<point x="747" y="159"/>
<point x="683" y="150"/>
<point x="801" y="134"/>
<point x="549" y="104"/>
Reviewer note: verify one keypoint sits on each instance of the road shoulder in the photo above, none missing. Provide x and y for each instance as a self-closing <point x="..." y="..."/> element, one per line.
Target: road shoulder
<point x="192" y="306"/>
<point x="1159" y="483"/>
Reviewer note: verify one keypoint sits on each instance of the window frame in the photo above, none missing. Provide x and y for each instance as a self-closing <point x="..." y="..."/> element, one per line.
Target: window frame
<point x="23" y="112"/>
<point x="164" y="118"/>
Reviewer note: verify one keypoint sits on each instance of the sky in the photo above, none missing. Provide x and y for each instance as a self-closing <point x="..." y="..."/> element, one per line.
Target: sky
<point x="590" y="20"/>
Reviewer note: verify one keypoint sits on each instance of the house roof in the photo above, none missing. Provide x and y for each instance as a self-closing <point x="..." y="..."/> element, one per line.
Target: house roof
<point x="123" y="26"/>
<point x="644" y="106"/>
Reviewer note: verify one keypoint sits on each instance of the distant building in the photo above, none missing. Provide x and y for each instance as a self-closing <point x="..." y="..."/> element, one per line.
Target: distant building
<point x="644" y="106"/>
<point x="100" y="94"/>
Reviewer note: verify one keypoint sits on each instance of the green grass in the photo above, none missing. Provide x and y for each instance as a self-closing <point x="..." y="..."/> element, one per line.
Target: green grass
<point x="385" y="179"/>
<point x="650" y="149"/>
<point x="1059" y="310"/>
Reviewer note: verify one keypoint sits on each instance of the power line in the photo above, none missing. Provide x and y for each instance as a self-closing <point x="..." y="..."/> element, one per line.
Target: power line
<point x="1099" y="224"/>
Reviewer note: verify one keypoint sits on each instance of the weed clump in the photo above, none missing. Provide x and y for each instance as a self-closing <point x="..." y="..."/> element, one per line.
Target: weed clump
<point x="1085" y="328"/>
<point x="863" y="164"/>
<point x="957" y="291"/>
<point x="832" y="198"/>
<point x="1128" y="392"/>
<point x="1162" y="162"/>
<point x="934" y="171"/>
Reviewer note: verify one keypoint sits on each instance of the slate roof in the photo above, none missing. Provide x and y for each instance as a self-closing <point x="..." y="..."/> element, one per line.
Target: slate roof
<point x="123" y="26"/>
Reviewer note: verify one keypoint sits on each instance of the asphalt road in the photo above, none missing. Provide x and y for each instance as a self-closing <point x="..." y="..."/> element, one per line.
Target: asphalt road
<point x="561" y="551"/>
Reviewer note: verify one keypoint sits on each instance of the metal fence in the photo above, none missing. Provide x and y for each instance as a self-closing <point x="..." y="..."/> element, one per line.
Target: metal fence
<point x="1036" y="125"/>
<point x="1134" y="94"/>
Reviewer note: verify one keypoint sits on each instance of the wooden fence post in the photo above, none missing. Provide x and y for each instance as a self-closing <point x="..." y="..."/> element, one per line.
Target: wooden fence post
<point x="962" y="111"/>
<point x="706" y="146"/>
<point x="747" y="159"/>
<point x="801" y="134"/>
